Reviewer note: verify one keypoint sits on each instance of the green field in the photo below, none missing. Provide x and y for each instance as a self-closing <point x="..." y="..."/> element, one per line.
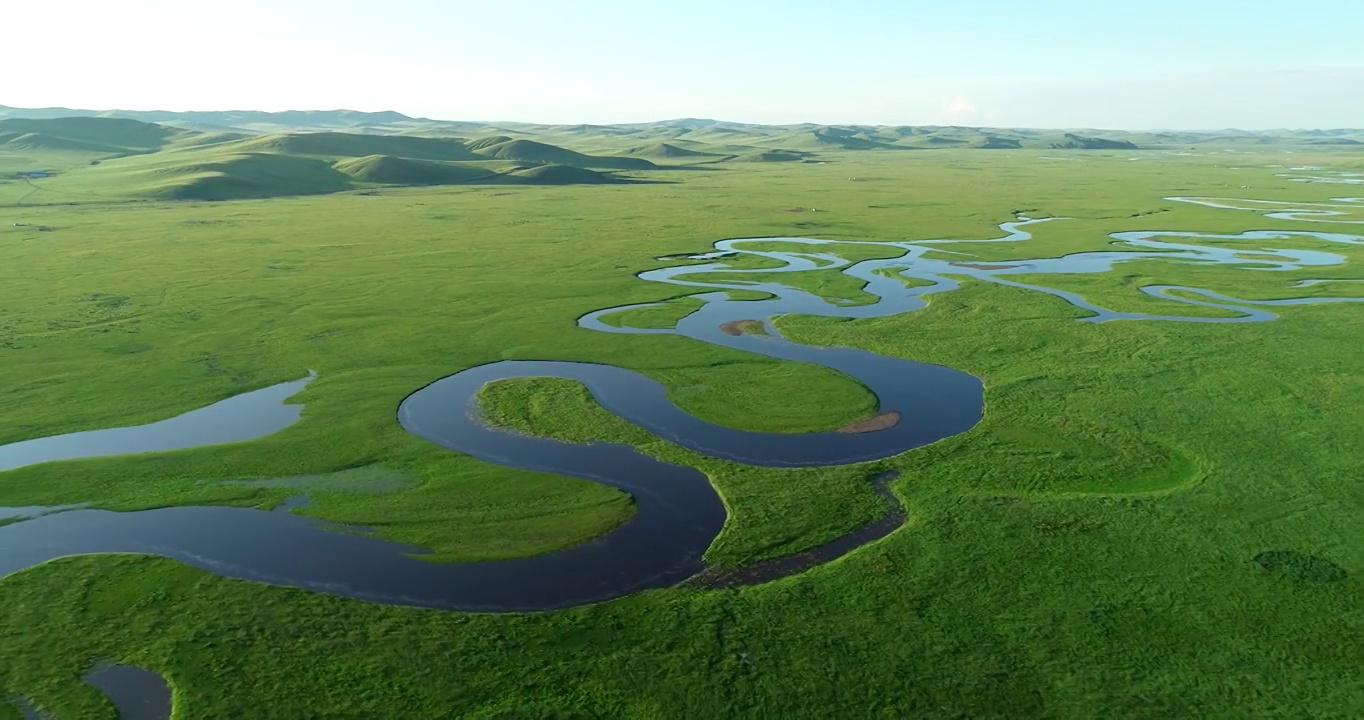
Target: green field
<point x="1089" y="548"/>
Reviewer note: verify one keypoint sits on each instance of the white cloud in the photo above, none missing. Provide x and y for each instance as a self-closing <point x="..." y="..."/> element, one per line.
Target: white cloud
<point x="960" y="107"/>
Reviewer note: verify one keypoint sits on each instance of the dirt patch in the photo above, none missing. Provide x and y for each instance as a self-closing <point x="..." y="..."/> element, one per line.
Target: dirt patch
<point x="883" y="421"/>
<point x="743" y="327"/>
<point x="985" y="266"/>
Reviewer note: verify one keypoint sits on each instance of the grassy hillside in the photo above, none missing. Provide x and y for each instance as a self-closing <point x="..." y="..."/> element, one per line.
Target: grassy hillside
<point x="993" y="142"/>
<point x="211" y="176"/>
<point x="834" y="138"/>
<point x="339" y="145"/>
<point x="389" y="170"/>
<point x="1071" y="141"/>
<point x="101" y="159"/>
<point x="561" y="175"/>
<point x="89" y="134"/>
<point x="537" y="152"/>
<point x="934" y="141"/>
<point x="485" y="143"/>
<point x="17" y="142"/>
<point x="771" y="156"/>
<point x="669" y="151"/>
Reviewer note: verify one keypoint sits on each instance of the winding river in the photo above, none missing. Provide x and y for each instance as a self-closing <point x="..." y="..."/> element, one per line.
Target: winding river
<point x="678" y="512"/>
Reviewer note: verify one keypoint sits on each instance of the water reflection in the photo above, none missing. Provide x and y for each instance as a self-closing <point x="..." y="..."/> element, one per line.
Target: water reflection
<point x="138" y="694"/>
<point x="239" y="418"/>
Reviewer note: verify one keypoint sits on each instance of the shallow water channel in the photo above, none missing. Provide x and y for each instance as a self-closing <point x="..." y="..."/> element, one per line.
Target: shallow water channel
<point x="242" y="417"/>
<point x="136" y="694"/>
<point x="678" y="513"/>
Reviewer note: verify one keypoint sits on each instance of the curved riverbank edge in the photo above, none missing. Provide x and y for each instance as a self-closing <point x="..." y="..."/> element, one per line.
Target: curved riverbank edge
<point x="770" y="570"/>
<point x="138" y="694"/>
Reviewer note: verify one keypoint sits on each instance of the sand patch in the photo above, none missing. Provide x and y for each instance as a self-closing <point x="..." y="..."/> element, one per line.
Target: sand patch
<point x="985" y="266"/>
<point x="881" y="422"/>
<point x="743" y="327"/>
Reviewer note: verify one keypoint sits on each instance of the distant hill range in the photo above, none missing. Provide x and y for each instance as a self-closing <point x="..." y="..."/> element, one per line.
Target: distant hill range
<point x="240" y="120"/>
<point x="119" y="157"/>
<point x="806" y="136"/>
<point x="251" y="154"/>
<point x="1071" y="141"/>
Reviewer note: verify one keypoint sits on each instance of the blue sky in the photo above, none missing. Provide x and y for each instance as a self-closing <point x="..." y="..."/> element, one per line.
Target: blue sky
<point x="1049" y="63"/>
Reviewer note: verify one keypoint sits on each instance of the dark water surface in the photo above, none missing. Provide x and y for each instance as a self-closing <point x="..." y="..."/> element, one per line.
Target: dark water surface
<point x="138" y="694"/>
<point x="678" y="513"/>
<point x="28" y="712"/>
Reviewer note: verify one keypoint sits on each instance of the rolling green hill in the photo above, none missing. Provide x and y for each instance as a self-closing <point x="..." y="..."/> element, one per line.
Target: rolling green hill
<point x="487" y="142"/>
<point x="199" y="139"/>
<point x="91" y="134"/>
<point x="101" y="159"/>
<point x="339" y="145"/>
<point x="208" y="176"/>
<point x="40" y="142"/>
<point x="561" y="175"/>
<point x="1072" y="141"/>
<point x="668" y="150"/>
<point x="770" y="156"/>
<point x="993" y="142"/>
<point x="537" y="152"/>
<point x="389" y="170"/>
<point x="817" y="139"/>
<point x="936" y="141"/>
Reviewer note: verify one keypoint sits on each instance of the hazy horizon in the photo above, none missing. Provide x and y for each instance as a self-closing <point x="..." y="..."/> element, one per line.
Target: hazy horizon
<point x="1175" y="66"/>
<point x="515" y="121"/>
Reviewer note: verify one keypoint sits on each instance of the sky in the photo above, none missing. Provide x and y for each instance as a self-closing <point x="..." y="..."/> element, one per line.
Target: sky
<point x="1189" y="64"/>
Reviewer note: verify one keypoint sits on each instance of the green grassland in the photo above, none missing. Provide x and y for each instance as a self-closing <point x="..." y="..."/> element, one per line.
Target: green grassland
<point x="658" y="315"/>
<point x="1088" y="548"/>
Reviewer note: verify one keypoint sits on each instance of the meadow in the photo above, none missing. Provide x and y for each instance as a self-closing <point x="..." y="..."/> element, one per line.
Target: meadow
<point x="1089" y="547"/>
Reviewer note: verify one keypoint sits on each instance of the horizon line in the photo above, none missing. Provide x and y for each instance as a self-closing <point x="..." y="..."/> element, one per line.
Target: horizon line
<point x="58" y="108"/>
